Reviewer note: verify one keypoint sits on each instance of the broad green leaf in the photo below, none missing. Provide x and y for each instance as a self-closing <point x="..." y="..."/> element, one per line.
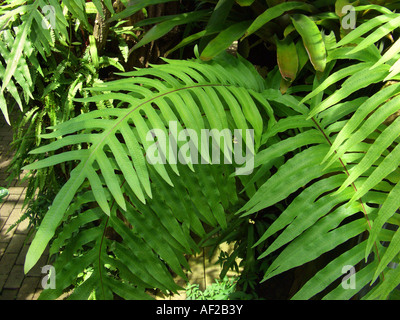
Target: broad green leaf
<point x="99" y="8"/>
<point x="3" y="107"/>
<point x="69" y="229"/>
<point x="216" y="22"/>
<point x="77" y="8"/>
<point x="134" y="7"/>
<point x="340" y="110"/>
<point x="244" y="3"/>
<point x="250" y="111"/>
<point x="21" y="74"/>
<point x="163" y="28"/>
<point x="288" y="61"/>
<point x="332" y="271"/>
<point x="93" y="51"/>
<point x="71" y="269"/>
<point x="98" y="190"/>
<point x="223" y="40"/>
<point x="186" y="41"/>
<point x="156" y="240"/>
<point x="126" y="291"/>
<point x="307" y="217"/>
<point x="287" y="101"/>
<point x="58" y="158"/>
<point x="312" y="40"/>
<point x="378" y="8"/>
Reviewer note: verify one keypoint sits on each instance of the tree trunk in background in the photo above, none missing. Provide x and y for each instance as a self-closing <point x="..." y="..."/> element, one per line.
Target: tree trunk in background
<point x="151" y="52"/>
<point x="101" y="28"/>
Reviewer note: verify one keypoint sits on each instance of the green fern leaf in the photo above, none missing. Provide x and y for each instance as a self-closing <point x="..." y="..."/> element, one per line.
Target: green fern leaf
<point x="102" y="129"/>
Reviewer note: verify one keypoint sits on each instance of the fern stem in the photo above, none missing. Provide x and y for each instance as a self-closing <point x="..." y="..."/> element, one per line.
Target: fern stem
<point x="354" y="187"/>
<point x="100" y="247"/>
<point x="101" y="243"/>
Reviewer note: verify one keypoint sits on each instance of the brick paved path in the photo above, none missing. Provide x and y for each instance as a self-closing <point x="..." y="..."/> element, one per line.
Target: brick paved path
<point x="14" y="284"/>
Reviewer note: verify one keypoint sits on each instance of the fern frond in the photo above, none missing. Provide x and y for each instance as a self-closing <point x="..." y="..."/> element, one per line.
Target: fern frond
<point x="25" y="38"/>
<point x="332" y="205"/>
<point x="199" y="95"/>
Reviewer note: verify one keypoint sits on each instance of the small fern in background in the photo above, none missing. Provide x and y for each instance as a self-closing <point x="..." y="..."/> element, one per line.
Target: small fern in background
<point x="220" y="290"/>
<point x="62" y="84"/>
<point x="69" y="68"/>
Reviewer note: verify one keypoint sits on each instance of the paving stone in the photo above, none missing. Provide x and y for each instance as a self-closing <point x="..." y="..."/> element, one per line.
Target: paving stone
<point x="3" y="279"/>
<point x="2" y="222"/>
<point x="23" y="227"/>
<point x="21" y="183"/>
<point x="5" y="235"/>
<point x="15" y="278"/>
<point x="6" y="209"/>
<point x="3" y="246"/>
<point x="28" y="288"/>
<point x="8" y="294"/>
<point x="5" y="163"/>
<point x="13" y="183"/>
<point x="20" y="202"/>
<point x="12" y="198"/>
<point x="16" y="190"/>
<point x="16" y="243"/>
<point x="37" y="293"/>
<point x="22" y="255"/>
<point x="14" y="216"/>
<point x="13" y="283"/>
<point x="3" y="177"/>
<point x="7" y="262"/>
